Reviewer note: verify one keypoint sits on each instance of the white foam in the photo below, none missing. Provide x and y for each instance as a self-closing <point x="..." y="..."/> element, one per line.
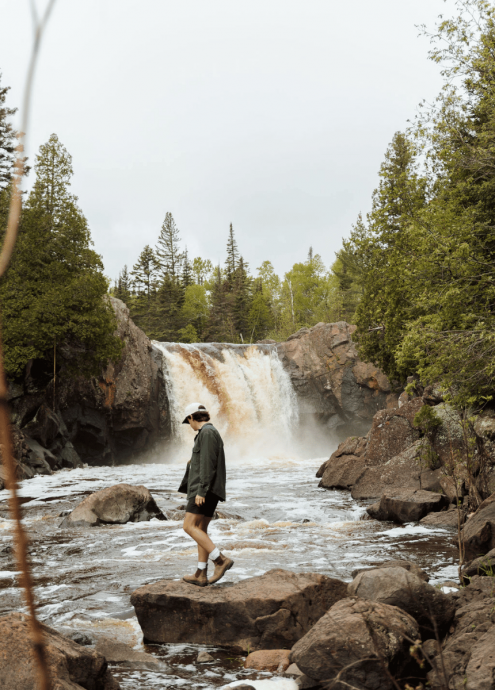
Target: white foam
<point x="272" y="684"/>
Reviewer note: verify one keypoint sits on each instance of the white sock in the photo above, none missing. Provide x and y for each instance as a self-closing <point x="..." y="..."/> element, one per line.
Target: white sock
<point x="202" y="566"/>
<point x="215" y="554"/>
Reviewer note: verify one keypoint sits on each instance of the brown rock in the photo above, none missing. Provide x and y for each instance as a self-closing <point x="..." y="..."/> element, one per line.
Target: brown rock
<point x="114" y="505"/>
<point x="328" y="377"/>
<point x="480" y="671"/>
<point x="483" y="566"/>
<point x="400" y="587"/>
<point x="392" y="432"/>
<point x="268" y="612"/>
<point x="71" y="666"/>
<point x="447" y="519"/>
<point x="274" y="660"/>
<point x="124" y="655"/>
<point x="410" y="506"/>
<point x="400" y="472"/>
<point x="478" y="533"/>
<point x="359" y="636"/>
<point x="430" y="480"/>
<point x="342" y="472"/>
<point x="407" y="565"/>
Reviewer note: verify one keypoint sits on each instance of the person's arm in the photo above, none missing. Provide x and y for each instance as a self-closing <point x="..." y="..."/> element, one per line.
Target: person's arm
<point x="208" y="456"/>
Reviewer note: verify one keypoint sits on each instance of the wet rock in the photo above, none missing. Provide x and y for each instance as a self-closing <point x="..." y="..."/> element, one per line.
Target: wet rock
<point x="447" y="519"/>
<point x="354" y="446"/>
<point x="408" y="505"/>
<point x="71" y="666"/>
<point x="400" y="472"/>
<point x="342" y="472"/>
<point x="329" y="379"/>
<point x="407" y="565"/>
<point x="267" y="612"/>
<point x="204" y="658"/>
<point x="478" y="534"/>
<point x="361" y="637"/>
<point x="474" y="618"/>
<point x="273" y="660"/>
<point x="114" y="505"/>
<point x="400" y="587"/>
<point x="80" y="637"/>
<point x="124" y="655"/>
<point x="483" y="566"/>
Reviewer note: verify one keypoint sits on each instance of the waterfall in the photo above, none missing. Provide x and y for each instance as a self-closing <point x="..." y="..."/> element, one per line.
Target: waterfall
<point x="245" y="389"/>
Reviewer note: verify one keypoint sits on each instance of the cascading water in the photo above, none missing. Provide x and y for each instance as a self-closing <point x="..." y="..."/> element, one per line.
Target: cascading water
<point x="244" y="387"/>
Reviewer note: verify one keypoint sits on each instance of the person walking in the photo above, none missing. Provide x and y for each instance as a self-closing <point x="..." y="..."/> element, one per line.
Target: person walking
<point x="204" y="482"/>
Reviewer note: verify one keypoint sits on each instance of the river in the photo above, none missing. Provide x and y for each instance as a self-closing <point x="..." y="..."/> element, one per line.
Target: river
<point x="84" y="577"/>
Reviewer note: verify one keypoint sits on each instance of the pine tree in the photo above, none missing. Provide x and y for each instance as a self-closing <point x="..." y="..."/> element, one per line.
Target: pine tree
<point x="187" y="274"/>
<point x="7" y="138"/>
<point x="241" y="302"/>
<point x="168" y="319"/>
<point x="168" y="254"/>
<point x="55" y="291"/>
<point x="232" y="255"/>
<point x="220" y="326"/>
<point x="144" y="275"/>
<point x="123" y="286"/>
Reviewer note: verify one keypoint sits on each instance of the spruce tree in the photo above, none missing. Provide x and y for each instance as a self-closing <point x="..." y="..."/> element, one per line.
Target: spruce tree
<point x="144" y="277"/>
<point x="232" y="255"/>
<point x="168" y="254"/>
<point x="241" y="302"/>
<point x="54" y="292"/>
<point x="123" y="286"/>
<point x="7" y="138"/>
<point x="187" y="274"/>
<point x="220" y="326"/>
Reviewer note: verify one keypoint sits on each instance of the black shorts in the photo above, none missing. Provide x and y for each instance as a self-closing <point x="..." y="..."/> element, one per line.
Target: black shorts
<point x="208" y="507"/>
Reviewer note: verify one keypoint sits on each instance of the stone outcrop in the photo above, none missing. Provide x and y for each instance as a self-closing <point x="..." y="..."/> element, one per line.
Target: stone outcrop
<point x="114" y="505"/>
<point x="430" y="608"/>
<point x="272" y="611"/>
<point x="357" y="639"/>
<point x="274" y="660"/>
<point x="478" y="534"/>
<point x="484" y="565"/>
<point x="99" y="421"/>
<point x="329" y="379"/>
<point x="407" y="565"/>
<point x="71" y="666"/>
<point x="407" y="506"/>
<point x="467" y="659"/>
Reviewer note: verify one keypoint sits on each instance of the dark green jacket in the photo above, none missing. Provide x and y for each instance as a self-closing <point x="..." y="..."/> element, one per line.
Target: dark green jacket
<point x="206" y="469"/>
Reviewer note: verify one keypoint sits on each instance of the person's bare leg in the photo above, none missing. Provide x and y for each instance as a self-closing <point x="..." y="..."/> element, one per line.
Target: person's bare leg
<point x="193" y="526"/>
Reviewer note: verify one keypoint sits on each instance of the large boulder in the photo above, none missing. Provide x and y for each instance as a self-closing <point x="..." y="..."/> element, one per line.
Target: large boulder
<point x="361" y="642"/>
<point x="478" y="533"/>
<point x="330" y="380"/>
<point x="354" y="446"/>
<point x="407" y="505"/>
<point x="268" y="612"/>
<point x="430" y="608"/>
<point x="71" y="666"/>
<point x="484" y="565"/>
<point x="392" y="432"/>
<point x="400" y="472"/>
<point x="467" y="659"/>
<point x="114" y="505"/>
<point x="398" y="563"/>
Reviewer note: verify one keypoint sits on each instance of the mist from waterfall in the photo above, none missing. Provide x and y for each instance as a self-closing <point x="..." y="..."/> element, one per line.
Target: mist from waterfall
<point x="245" y="389"/>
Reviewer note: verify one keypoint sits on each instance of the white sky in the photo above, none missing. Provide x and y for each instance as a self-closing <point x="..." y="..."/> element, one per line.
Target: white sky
<point x="270" y="114"/>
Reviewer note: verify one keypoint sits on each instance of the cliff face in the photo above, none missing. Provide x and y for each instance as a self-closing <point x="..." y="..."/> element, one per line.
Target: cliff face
<point x="102" y="420"/>
<point x="330" y="380"/>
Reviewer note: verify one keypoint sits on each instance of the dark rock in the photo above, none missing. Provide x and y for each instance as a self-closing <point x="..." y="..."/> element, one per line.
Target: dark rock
<point x="447" y="519"/>
<point x="392" y="432"/>
<point x="361" y="637"/>
<point x="242" y="686"/>
<point x="408" y="506"/>
<point x="478" y="533"/>
<point x="400" y="472"/>
<point x="483" y="566"/>
<point x="329" y="379"/>
<point x="114" y="505"/>
<point x="430" y="480"/>
<point x="342" y="472"/>
<point x="268" y="612"/>
<point x="81" y="638"/>
<point x="124" y="655"/>
<point x="474" y="618"/>
<point x="407" y="565"/>
<point x="71" y="666"/>
<point x="399" y="587"/>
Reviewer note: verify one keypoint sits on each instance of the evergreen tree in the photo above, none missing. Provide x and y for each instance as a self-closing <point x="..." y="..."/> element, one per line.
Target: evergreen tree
<point x="187" y="273"/>
<point x="220" y="327"/>
<point x="169" y="319"/>
<point x="124" y="285"/>
<point x="241" y="302"/>
<point x="168" y="254"/>
<point x="144" y="275"/>
<point x="7" y="138"/>
<point x="54" y="292"/>
<point x="261" y="319"/>
<point x="232" y="255"/>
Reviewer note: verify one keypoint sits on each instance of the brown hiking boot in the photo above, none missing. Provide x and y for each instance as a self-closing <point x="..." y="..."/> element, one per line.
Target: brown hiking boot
<point x="222" y="564"/>
<point x="200" y="578"/>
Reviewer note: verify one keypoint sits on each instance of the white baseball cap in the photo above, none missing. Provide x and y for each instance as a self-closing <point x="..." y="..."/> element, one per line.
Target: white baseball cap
<point x="191" y="409"/>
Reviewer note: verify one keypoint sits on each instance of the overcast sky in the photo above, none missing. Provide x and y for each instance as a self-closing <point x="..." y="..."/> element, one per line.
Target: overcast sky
<point x="270" y="114"/>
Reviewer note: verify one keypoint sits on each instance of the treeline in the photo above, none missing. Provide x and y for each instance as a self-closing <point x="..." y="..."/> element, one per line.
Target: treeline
<point x="177" y="299"/>
<point x="53" y="299"/>
<point x="423" y="261"/>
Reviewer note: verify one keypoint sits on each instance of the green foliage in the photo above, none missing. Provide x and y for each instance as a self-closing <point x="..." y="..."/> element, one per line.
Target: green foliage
<point x="426" y="420"/>
<point x="7" y="140"/>
<point x="54" y="291"/>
